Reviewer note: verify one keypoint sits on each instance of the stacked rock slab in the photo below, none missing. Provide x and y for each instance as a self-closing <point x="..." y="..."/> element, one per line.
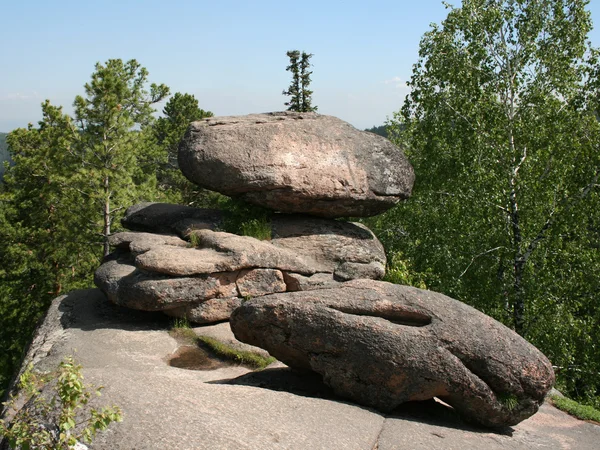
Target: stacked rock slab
<point x="309" y="295"/>
<point x="156" y="267"/>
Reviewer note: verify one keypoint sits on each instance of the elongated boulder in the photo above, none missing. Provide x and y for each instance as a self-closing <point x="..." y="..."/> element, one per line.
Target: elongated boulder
<point x="126" y="285"/>
<point x="382" y="344"/>
<point x="297" y="163"/>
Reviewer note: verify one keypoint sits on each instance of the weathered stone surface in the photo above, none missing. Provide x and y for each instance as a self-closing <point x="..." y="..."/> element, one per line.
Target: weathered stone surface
<point x="296" y="282"/>
<point x="151" y="271"/>
<point x="382" y="344"/>
<point x="108" y="276"/>
<point x="169" y="218"/>
<point x="223" y="252"/>
<point x="258" y="282"/>
<point x="138" y="243"/>
<point x="129" y="286"/>
<point x="209" y="311"/>
<point x="297" y="163"/>
<point x="204" y="298"/>
<point x="169" y="408"/>
<point x="348" y="250"/>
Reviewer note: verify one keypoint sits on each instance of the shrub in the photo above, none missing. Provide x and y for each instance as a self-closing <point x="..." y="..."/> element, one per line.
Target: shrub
<point x="58" y="420"/>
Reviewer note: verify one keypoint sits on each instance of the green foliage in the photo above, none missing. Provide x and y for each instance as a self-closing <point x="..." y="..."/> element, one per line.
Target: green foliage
<point x="260" y="228"/>
<point x="181" y="323"/>
<point x="501" y="127"/>
<point x="398" y="271"/>
<point x="117" y="164"/>
<point x="169" y="130"/>
<point x="509" y="401"/>
<point x="578" y="410"/>
<point x="182" y="331"/>
<point x="59" y="420"/>
<point x="194" y="240"/>
<point x="300" y="95"/>
<point x="71" y="182"/>
<point x="244" y="219"/>
<point x="251" y="359"/>
<point x="4" y="155"/>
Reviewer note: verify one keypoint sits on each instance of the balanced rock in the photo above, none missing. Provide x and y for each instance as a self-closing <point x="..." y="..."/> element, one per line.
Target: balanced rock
<point x="297" y="163"/>
<point x="382" y="344"/>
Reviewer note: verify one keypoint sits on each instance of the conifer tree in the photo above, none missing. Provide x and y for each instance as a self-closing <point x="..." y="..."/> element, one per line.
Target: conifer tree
<point x="301" y="96"/>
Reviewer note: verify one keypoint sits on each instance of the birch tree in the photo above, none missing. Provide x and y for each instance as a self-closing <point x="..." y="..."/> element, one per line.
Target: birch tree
<point x="503" y="126"/>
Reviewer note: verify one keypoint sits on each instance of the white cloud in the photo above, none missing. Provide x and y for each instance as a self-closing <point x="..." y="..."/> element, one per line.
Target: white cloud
<point x="31" y="95"/>
<point x="397" y="82"/>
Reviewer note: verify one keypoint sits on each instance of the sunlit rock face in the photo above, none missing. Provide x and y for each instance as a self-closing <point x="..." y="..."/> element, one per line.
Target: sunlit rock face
<point x="297" y="163"/>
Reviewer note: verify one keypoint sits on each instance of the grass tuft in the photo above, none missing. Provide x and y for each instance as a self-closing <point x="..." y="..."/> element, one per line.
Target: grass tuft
<point x="246" y="358"/>
<point x="509" y="401"/>
<point x="182" y="332"/>
<point x="573" y="408"/>
<point x="194" y="240"/>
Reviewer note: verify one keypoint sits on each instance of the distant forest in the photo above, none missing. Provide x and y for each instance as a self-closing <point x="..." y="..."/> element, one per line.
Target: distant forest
<point x="380" y="130"/>
<point x="4" y="155"/>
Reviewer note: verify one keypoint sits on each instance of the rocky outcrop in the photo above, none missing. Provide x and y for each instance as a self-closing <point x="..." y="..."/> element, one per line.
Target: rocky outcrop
<point x="307" y="292"/>
<point x="232" y="408"/>
<point x="382" y="344"/>
<point x="206" y="280"/>
<point x="296" y="163"/>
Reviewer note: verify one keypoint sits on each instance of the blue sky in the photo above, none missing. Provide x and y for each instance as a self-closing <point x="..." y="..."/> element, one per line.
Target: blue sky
<point x="229" y="54"/>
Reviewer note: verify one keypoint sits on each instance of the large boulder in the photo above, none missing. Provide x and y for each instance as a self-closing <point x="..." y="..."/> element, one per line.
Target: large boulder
<point x="297" y="163"/>
<point x="382" y="344"/>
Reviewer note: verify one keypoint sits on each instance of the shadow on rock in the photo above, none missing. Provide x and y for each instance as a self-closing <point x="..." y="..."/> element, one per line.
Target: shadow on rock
<point x="286" y="380"/>
<point x="308" y="384"/>
<point x="89" y="309"/>
<point x="433" y="412"/>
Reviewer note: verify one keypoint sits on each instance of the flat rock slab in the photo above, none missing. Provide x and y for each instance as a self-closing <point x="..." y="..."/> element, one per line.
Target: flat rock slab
<point x="169" y="218"/>
<point x="202" y="299"/>
<point x="382" y="345"/>
<point x="297" y="163"/>
<point x="345" y="249"/>
<point x="169" y="408"/>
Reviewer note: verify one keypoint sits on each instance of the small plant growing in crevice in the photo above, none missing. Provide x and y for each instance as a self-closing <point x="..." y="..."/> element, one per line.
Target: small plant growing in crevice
<point x="59" y="419"/>
<point x="509" y="401"/>
<point x="259" y="228"/>
<point x="244" y="219"/>
<point x="181" y="330"/>
<point x="194" y="240"/>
